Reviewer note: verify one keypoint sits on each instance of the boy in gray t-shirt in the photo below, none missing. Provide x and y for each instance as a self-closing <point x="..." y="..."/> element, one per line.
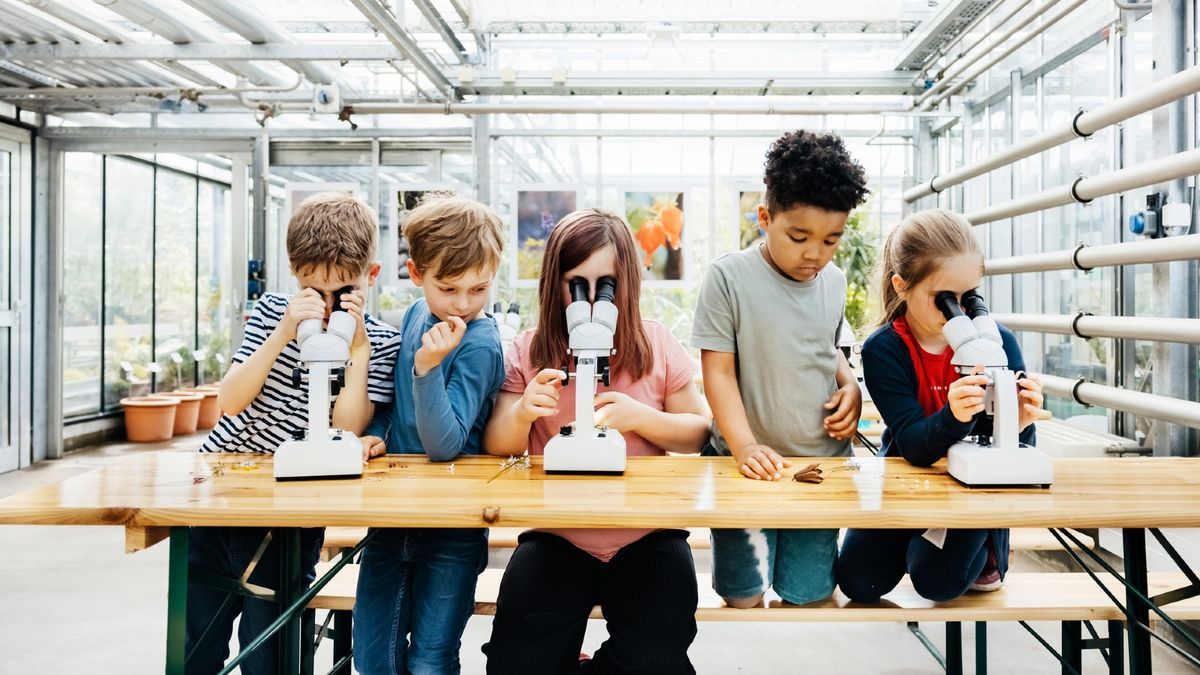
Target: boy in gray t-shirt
<point x="766" y="323"/>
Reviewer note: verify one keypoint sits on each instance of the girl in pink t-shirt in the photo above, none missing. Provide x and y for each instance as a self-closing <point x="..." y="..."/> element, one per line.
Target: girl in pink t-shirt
<point x="644" y="580"/>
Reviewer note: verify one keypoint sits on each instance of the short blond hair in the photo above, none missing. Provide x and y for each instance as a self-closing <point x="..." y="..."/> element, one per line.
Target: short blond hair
<point x="454" y="235"/>
<point x="333" y="229"/>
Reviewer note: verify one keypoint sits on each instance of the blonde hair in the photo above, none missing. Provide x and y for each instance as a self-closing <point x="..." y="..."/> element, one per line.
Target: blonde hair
<point x="333" y="229"/>
<point x="914" y="249"/>
<point x="454" y="235"/>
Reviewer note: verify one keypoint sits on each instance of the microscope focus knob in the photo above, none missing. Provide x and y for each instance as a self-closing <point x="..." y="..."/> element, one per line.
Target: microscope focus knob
<point x="604" y="376"/>
<point x="339" y="381"/>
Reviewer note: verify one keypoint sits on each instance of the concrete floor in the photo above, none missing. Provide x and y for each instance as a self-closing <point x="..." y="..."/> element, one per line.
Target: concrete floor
<point x="72" y="602"/>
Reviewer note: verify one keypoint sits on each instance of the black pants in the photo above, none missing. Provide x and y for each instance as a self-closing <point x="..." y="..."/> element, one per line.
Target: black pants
<point x="647" y="593"/>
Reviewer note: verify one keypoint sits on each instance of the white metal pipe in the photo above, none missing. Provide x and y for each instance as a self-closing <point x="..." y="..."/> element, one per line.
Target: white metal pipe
<point x="243" y="19"/>
<point x="175" y="30"/>
<point x="1167" y="249"/>
<point x="75" y="18"/>
<point x="1086" y="189"/>
<point x="998" y="56"/>
<point x="1150" y="328"/>
<point x="1155" y="407"/>
<point x="1164" y="91"/>
<point x="970" y="59"/>
<point x="91" y="92"/>
<point x="576" y="107"/>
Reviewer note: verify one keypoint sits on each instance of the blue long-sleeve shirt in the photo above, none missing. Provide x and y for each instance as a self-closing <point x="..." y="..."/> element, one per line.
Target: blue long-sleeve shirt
<point x="442" y="413"/>
<point x="891" y="378"/>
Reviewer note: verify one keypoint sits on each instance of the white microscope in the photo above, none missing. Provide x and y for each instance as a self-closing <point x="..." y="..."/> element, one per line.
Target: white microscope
<point x="325" y="452"/>
<point x="584" y="448"/>
<point x="1001" y="460"/>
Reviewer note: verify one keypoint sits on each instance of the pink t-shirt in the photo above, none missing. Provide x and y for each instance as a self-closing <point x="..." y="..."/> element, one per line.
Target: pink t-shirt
<point x="673" y="369"/>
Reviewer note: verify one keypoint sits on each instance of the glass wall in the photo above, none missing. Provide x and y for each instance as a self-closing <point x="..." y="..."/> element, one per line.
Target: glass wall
<point x="146" y="271"/>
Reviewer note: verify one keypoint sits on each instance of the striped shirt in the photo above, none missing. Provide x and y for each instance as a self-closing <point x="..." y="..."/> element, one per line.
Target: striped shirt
<point x="280" y="411"/>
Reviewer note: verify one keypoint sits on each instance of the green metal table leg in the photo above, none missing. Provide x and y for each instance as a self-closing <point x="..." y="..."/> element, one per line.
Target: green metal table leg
<point x="290" y="583"/>
<point x="1072" y="647"/>
<point x="177" y="589"/>
<point x="343" y="622"/>
<point x="954" y="650"/>
<point x="1116" y="648"/>
<point x="981" y="648"/>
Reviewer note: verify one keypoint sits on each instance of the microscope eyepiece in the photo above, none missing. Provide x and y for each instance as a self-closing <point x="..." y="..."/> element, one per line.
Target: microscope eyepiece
<point x="947" y="302"/>
<point x="973" y="302"/>
<point x="579" y="289"/>
<point x="606" y="289"/>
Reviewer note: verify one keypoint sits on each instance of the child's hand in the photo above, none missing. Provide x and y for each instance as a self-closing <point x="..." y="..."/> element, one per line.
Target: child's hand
<point x="618" y="411"/>
<point x="966" y="395"/>
<point x="760" y="462"/>
<point x="541" y="396"/>
<point x="373" y="446"/>
<point x="307" y="304"/>
<point x="437" y="343"/>
<point x="353" y="303"/>
<point x="846" y="404"/>
<point x="1029" y="395"/>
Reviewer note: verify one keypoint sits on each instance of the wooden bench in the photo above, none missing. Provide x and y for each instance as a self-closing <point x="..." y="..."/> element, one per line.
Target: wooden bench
<point x="1070" y="598"/>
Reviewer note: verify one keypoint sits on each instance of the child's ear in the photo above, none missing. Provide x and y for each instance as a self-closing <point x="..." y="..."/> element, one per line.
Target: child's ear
<point x="764" y="217"/>
<point x="413" y="272"/>
<point x="900" y="286"/>
<point x="373" y="273"/>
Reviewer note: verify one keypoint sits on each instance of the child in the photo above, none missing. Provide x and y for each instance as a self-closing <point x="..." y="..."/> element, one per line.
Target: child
<point x="644" y="580"/>
<point x="450" y="365"/>
<point x="331" y="244"/>
<point x="928" y="407"/>
<point x="767" y="322"/>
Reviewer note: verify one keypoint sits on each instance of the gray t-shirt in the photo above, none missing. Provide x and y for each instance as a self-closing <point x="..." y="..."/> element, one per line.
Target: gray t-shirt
<point x="784" y="333"/>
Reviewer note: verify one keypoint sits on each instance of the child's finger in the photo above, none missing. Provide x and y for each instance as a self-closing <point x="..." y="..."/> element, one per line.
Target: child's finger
<point x="1038" y="413"/>
<point x="834" y="401"/>
<point x="550" y="376"/>
<point x="757" y="469"/>
<point x="747" y="472"/>
<point x="772" y="463"/>
<point x="457" y="325"/>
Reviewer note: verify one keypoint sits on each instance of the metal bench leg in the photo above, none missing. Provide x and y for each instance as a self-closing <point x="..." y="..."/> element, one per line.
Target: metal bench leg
<point x="1116" y="648"/>
<point x="1072" y="647"/>
<point x="980" y="648"/>
<point x="954" y="649"/>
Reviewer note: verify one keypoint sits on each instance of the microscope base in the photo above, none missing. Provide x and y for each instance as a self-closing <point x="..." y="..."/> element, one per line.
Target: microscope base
<point x="338" y="457"/>
<point x="578" y="454"/>
<point x="978" y="466"/>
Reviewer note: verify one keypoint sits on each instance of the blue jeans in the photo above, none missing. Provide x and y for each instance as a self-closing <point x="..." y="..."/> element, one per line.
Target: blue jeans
<point x="419" y="582"/>
<point x="872" y="562"/>
<point x="227" y="551"/>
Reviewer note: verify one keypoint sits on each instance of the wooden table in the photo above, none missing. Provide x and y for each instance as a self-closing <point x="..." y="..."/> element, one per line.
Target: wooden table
<point x="170" y="491"/>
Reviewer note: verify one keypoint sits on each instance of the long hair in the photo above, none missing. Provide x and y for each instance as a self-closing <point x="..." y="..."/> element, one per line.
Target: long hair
<point x="574" y="239"/>
<point x="915" y="248"/>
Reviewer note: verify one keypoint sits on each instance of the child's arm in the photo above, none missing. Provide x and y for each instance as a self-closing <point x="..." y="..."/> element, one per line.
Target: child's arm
<point x="845" y="404"/>
<point x="725" y="398"/>
<point x="353" y="409"/>
<point x="245" y="380"/>
<point x="682" y="426"/>
<point x="446" y="408"/>
<point x="921" y="440"/>
<point x="507" y="432"/>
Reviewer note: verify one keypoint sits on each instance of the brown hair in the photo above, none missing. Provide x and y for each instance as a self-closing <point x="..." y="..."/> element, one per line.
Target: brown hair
<point x="574" y="239"/>
<point x="454" y="235"/>
<point x="915" y="248"/>
<point x="332" y="229"/>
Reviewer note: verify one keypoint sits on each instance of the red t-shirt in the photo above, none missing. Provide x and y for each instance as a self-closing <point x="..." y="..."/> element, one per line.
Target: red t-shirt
<point x="934" y="371"/>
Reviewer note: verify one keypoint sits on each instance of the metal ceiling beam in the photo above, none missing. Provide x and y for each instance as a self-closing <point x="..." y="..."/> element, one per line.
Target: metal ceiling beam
<point x="82" y="21"/>
<point x="243" y="19"/>
<point x="700" y="27"/>
<point x="937" y="33"/>
<point x="383" y="20"/>
<point x="695" y="83"/>
<point x="205" y="51"/>
<point x="27" y="75"/>
<point x="434" y="17"/>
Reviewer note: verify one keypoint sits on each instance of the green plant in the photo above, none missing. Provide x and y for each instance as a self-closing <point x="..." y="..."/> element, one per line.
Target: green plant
<point x="856" y="257"/>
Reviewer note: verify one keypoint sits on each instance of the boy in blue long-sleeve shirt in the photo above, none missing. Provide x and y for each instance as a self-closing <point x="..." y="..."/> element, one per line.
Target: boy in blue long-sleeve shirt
<point x="421" y="582"/>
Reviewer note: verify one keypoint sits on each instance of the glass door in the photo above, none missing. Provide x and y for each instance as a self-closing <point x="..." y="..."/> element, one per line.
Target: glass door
<point x="9" y="190"/>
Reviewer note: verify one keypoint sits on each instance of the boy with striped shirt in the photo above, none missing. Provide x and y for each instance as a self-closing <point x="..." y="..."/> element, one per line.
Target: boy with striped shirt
<point x="332" y="241"/>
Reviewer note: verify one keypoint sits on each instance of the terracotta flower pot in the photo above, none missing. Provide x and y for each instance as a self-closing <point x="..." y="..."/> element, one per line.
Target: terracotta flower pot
<point x="188" y="414"/>
<point x="149" y="419"/>
<point x="210" y="412"/>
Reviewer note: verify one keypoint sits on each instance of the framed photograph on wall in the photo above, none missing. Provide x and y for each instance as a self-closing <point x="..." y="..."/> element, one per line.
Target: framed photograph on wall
<point x="746" y="199"/>
<point x="405" y="199"/>
<point x="659" y="224"/>
<point x="538" y="210"/>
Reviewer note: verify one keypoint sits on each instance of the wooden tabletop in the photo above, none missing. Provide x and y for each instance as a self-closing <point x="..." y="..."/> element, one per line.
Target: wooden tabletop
<point x="173" y="488"/>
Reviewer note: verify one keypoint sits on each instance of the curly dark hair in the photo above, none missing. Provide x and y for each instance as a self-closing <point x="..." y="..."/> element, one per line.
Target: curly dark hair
<point x="812" y="169"/>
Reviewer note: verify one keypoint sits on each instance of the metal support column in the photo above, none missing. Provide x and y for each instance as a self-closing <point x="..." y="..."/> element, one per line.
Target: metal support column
<point x="481" y="145"/>
<point x="46" y="435"/>
<point x="1134" y="551"/>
